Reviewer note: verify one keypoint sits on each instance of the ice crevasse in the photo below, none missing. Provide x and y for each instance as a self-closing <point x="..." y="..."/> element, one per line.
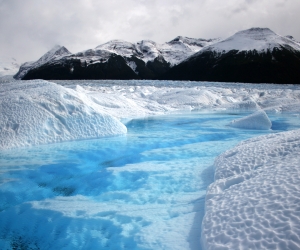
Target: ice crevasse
<point x="41" y="112"/>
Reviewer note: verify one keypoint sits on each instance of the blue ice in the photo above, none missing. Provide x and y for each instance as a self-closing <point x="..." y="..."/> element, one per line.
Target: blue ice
<point x="145" y="190"/>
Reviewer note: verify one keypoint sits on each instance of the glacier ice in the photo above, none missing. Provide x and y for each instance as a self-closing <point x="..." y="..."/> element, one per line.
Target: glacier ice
<point x="257" y="120"/>
<point x="40" y="112"/>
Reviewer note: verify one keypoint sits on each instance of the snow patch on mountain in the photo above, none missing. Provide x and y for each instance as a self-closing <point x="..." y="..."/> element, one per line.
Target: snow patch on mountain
<point x="120" y="47"/>
<point x="92" y="56"/>
<point x="181" y="48"/>
<point x="133" y="66"/>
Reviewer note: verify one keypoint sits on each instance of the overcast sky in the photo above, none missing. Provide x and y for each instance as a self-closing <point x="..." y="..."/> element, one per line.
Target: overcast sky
<point x="29" y="28"/>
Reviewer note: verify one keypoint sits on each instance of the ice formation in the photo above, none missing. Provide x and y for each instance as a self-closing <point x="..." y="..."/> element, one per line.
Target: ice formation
<point x="252" y="203"/>
<point x="40" y="112"/>
<point x="257" y="120"/>
<point x="138" y="98"/>
<point x="55" y="112"/>
<point x="254" y="200"/>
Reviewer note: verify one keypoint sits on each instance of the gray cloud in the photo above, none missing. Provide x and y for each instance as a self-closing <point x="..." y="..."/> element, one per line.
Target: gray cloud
<point x="31" y="27"/>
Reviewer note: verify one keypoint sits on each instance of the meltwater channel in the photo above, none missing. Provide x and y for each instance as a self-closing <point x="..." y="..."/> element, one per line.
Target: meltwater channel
<point x="144" y="190"/>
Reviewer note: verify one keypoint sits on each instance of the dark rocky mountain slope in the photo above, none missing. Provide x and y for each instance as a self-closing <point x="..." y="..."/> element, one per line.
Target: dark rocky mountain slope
<point x="116" y="59"/>
<point x="257" y="55"/>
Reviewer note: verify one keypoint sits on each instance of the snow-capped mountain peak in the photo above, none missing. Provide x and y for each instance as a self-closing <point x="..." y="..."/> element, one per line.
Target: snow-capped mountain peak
<point x="259" y="39"/>
<point x="180" y="48"/>
<point x="55" y="53"/>
<point x="256" y="55"/>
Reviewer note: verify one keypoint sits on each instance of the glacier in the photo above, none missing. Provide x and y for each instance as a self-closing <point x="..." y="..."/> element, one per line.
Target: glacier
<point x="252" y="202"/>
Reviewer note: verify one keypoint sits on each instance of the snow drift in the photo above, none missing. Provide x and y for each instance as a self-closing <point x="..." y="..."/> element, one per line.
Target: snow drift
<point x="40" y="112"/>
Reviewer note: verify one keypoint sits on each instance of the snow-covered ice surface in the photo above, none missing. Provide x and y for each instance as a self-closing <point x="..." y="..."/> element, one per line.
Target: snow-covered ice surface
<point x="146" y="190"/>
<point x="254" y="200"/>
<point x="140" y="98"/>
<point x="40" y="112"/>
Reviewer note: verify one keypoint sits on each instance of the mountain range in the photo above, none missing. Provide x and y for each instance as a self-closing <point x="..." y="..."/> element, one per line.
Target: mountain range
<point x="115" y="59"/>
<point x="256" y="55"/>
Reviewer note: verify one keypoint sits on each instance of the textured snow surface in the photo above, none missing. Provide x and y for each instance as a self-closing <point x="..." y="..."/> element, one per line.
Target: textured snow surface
<point x="259" y="39"/>
<point x="257" y="120"/>
<point x="138" y="98"/>
<point x="254" y="201"/>
<point x="40" y="112"/>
